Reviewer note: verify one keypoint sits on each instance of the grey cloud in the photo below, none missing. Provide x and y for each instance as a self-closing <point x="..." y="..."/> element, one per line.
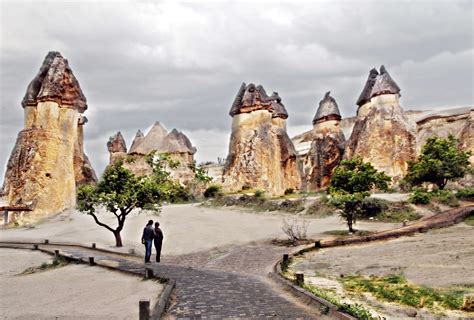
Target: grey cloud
<point x="181" y="63"/>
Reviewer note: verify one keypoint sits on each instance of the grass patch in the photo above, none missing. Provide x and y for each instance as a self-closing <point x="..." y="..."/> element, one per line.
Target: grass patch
<point x="385" y="211"/>
<point x="446" y="197"/>
<point x="395" y="288"/>
<point x="258" y="203"/>
<point x="56" y="263"/>
<point x="320" y="210"/>
<point x="465" y="194"/>
<point x="398" y="212"/>
<point x="356" y="310"/>
<point x="469" y="220"/>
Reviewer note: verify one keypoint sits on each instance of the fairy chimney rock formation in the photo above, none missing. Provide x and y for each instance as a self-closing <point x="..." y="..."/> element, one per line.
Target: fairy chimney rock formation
<point x="327" y="145"/>
<point x="48" y="159"/>
<point x="174" y="144"/>
<point x="136" y="141"/>
<point x="117" y="147"/>
<point x="261" y="155"/>
<point x="382" y="134"/>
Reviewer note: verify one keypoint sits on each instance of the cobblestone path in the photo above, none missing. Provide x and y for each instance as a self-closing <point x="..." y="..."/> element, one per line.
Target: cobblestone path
<point x="220" y="284"/>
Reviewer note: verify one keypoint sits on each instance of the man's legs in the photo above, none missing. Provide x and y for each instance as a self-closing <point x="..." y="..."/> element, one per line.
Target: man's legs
<point x="158" y="251"/>
<point x="148" y="245"/>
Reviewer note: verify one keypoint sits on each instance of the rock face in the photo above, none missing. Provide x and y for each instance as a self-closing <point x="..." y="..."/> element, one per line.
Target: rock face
<point x="327" y="146"/>
<point x="261" y="155"/>
<point x="382" y="134"/>
<point x="458" y="122"/>
<point x="117" y="147"/>
<point x="48" y="160"/>
<point x="174" y="144"/>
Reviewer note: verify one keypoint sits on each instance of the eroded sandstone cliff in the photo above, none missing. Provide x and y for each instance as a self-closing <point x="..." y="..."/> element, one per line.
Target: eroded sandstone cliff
<point x="48" y="160"/>
<point x="261" y="155"/>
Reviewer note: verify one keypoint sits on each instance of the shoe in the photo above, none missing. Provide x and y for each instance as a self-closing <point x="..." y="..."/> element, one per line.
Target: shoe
<point x="147" y="262"/>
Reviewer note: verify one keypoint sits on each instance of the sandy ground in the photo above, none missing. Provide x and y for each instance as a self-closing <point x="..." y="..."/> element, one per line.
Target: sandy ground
<point x="188" y="228"/>
<point x="439" y="258"/>
<point x="69" y="292"/>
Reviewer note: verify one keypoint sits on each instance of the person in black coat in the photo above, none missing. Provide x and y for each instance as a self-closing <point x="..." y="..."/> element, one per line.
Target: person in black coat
<point x="158" y="240"/>
<point x="147" y="239"/>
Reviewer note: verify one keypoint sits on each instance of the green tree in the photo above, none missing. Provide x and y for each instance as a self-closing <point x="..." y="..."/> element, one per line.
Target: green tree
<point x="440" y="161"/>
<point x="119" y="192"/>
<point x="351" y="183"/>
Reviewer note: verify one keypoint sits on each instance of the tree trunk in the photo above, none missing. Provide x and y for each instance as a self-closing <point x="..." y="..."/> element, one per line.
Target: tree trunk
<point x="349" y="224"/>
<point x="118" y="239"/>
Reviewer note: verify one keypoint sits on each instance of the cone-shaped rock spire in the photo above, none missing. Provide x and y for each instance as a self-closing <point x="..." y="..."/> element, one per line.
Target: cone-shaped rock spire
<point x="136" y="141"/>
<point x="116" y="143"/>
<point x="327" y="110"/>
<point x="55" y="82"/>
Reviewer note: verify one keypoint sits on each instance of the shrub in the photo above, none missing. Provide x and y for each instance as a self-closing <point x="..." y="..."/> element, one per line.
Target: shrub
<point x="419" y="196"/>
<point x="372" y="207"/>
<point x="320" y="209"/>
<point x="295" y="229"/>
<point x="466" y="194"/>
<point x="259" y="194"/>
<point x="246" y="187"/>
<point x="289" y="191"/>
<point x="445" y="197"/>
<point x="213" y="191"/>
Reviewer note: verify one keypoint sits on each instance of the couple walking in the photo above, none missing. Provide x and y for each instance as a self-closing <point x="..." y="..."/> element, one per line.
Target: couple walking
<point x="151" y="235"/>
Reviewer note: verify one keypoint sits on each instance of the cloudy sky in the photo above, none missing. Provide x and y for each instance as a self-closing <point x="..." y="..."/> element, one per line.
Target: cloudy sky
<point x="181" y="62"/>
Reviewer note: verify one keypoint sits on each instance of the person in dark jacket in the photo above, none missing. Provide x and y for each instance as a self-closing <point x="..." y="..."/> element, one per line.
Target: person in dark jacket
<point x="158" y="240"/>
<point x="147" y="239"/>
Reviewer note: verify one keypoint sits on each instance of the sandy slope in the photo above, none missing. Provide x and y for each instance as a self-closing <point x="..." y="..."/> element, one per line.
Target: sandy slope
<point x="70" y="292"/>
<point x="188" y="228"/>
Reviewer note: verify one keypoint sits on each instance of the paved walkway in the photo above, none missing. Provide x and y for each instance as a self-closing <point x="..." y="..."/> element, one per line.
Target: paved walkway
<point x="219" y="284"/>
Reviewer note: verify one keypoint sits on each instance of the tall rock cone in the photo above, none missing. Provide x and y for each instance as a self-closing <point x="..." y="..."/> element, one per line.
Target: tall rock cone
<point x="136" y="141"/>
<point x="327" y="146"/>
<point x="382" y="134"/>
<point x="48" y="159"/>
<point x="261" y="155"/>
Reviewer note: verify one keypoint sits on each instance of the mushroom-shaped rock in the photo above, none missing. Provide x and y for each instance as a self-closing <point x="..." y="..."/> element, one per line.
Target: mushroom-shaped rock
<point x="327" y="110"/>
<point x="48" y="161"/>
<point x="261" y="154"/>
<point x="279" y="110"/>
<point x="116" y="143"/>
<point x="55" y="82"/>
<point x="139" y="136"/>
<point x="378" y="84"/>
<point x="251" y="98"/>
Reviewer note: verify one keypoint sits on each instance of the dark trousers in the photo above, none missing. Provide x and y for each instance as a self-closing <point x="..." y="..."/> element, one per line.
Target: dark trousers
<point x="158" y="250"/>
<point x="148" y="245"/>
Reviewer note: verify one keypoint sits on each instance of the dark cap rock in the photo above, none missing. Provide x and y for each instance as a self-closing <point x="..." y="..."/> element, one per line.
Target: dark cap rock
<point x="327" y="110"/>
<point x="377" y="84"/>
<point x="55" y="82"/>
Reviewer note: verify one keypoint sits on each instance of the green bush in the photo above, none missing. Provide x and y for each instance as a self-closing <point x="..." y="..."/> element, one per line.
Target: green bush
<point x="466" y="194"/>
<point x="259" y="194"/>
<point x="445" y="197"/>
<point x="213" y="191"/>
<point x="419" y="196"/>
<point x="371" y="207"/>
